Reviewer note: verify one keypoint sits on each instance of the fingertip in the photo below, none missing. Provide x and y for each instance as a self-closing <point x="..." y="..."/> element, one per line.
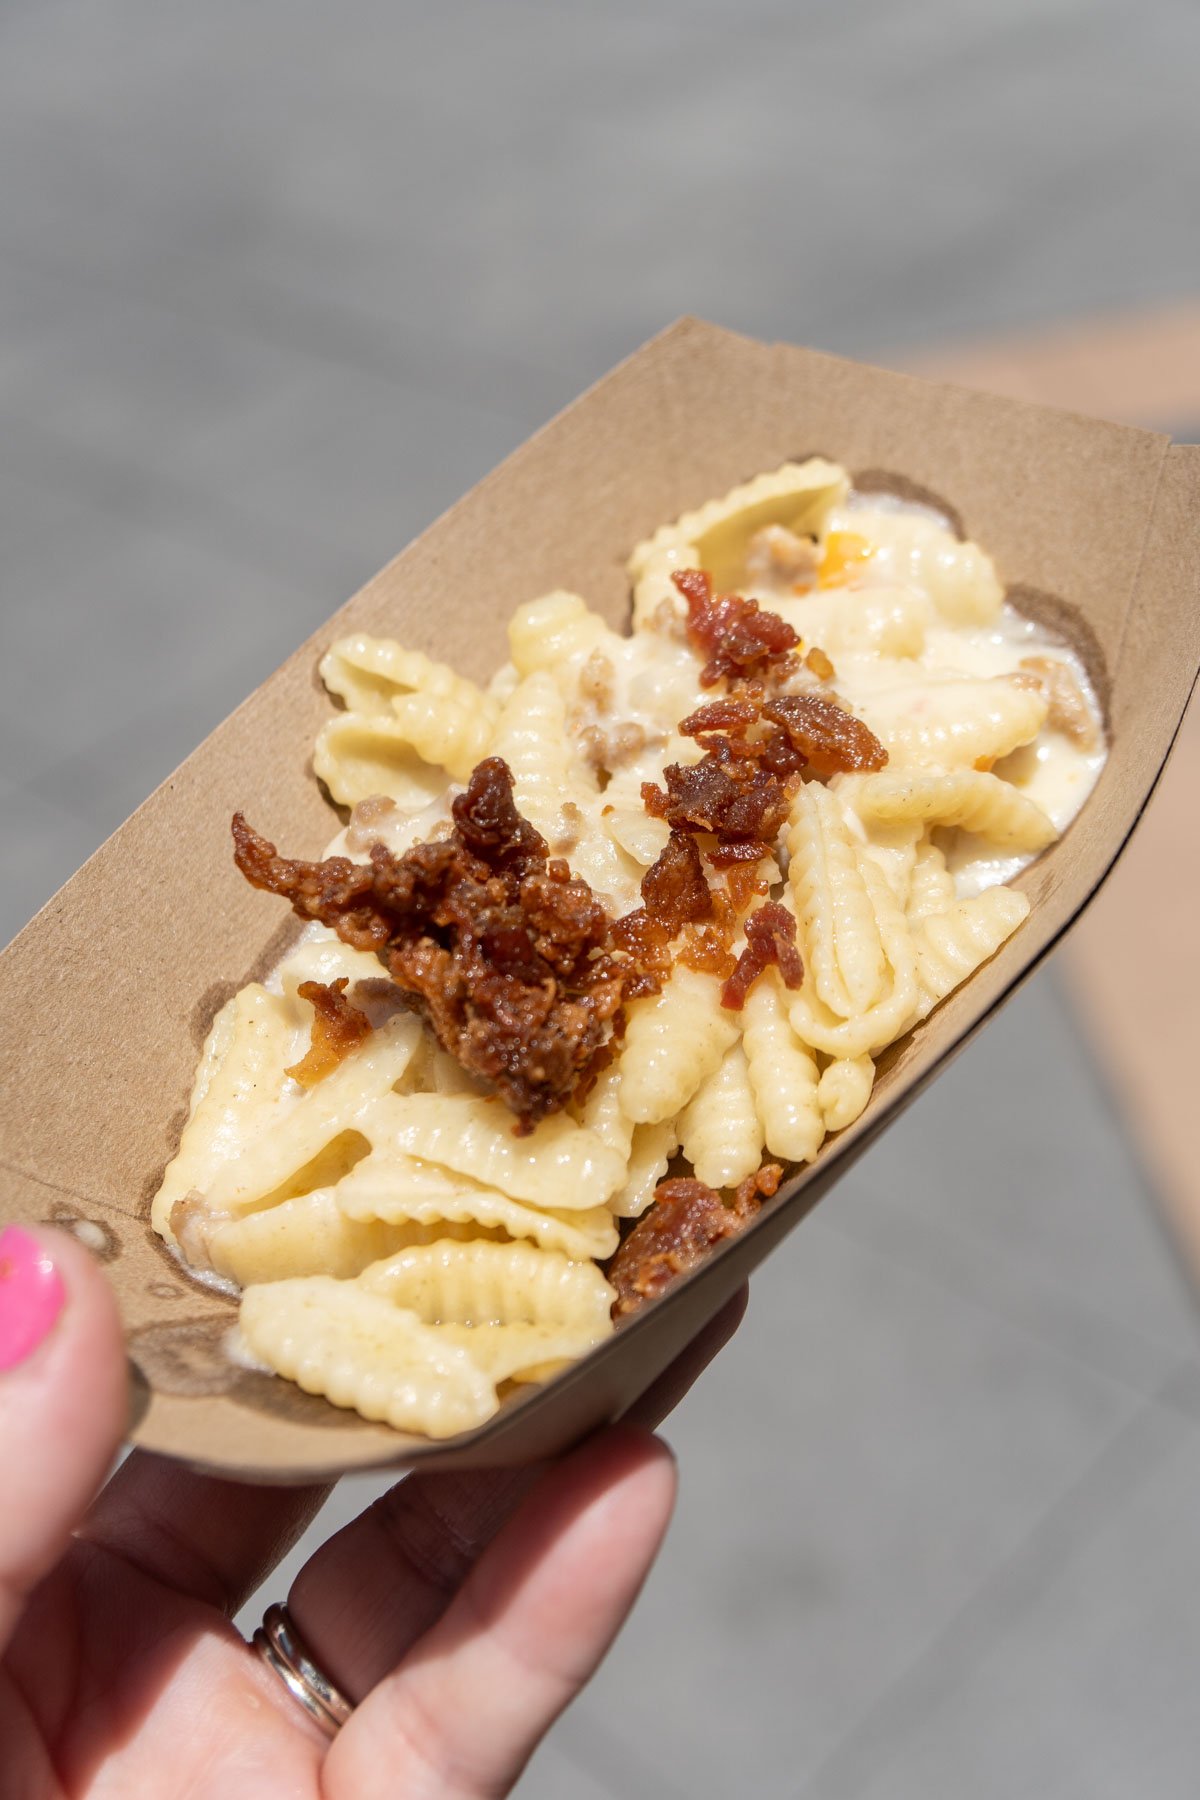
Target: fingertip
<point x="51" y="1290"/>
<point x="62" y="1398"/>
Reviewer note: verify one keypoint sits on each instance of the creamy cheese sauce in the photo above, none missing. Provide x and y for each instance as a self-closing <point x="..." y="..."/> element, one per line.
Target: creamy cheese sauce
<point x="654" y="675"/>
<point x="1055" y="772"/>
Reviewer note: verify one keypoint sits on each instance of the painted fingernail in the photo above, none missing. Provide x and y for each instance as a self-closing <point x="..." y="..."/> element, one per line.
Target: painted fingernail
<point x="31" y="1295"/>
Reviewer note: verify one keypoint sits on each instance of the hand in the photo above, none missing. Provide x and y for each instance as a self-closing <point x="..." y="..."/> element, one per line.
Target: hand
<point x="462" y="1612"/>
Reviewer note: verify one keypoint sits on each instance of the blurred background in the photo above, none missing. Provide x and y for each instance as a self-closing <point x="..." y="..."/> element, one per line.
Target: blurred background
<point x="278" y="281"/>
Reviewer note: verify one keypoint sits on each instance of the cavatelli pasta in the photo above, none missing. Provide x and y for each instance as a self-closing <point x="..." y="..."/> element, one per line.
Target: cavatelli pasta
<point x="892" y="1013"/>
<point x="559" y="1164"/>
<point x="719" y="1130"/>
<point x="672" y="1042"/>
<point x="838" y="930"/>
<point x="954" y="724"/>
<point x="339" y="1339"/>
<point x="951" y="945"/>
<point x="844" y="1089"/>
<point x="783" y="1074"/>
<point x="401" y="1249"/>
<point x="969" y="798"/>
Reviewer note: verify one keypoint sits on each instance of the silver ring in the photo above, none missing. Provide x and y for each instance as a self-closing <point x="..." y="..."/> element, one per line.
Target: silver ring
<point x="281" y="1648"/>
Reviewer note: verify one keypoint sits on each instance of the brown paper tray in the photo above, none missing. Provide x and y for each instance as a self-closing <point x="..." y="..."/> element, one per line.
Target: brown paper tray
<point x="105" y="997"/>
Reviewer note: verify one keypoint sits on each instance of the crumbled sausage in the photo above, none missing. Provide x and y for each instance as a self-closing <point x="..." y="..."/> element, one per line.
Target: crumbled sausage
<point x="1068" y="710"/>
<point x="776" y="554"/>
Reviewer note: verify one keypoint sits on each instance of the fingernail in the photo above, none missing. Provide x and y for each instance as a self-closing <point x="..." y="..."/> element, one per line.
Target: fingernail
<point x="31" y="1295"/>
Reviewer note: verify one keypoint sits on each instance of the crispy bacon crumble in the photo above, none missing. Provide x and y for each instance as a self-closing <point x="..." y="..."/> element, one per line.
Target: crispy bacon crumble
<point x="496" y="944"/>
<point x="739" y="790"/>
<point x="736" y="635"/>
<point x="338" y="1028"/>
<point x="770" y="938"/>
<point x="830" y="739"/>
<point x="687" y="1219"/>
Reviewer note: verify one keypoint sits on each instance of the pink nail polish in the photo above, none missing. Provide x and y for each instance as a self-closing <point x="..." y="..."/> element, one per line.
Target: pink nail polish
<point x="31" y="1295"/>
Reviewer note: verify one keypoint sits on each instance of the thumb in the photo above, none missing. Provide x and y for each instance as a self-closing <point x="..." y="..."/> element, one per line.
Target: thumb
<point x="62" y="1401"/>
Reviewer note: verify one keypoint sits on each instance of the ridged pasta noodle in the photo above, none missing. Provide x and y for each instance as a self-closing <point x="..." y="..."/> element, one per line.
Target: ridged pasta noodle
<point x="959" y="577"/>
<point x="892" y="1013"/>
<point x="513" y="1309"/>
<point x="602" y="1112"/>
<point x="492" y="1284"/>
<point x="240" y="1079"/>
<point x="954" y="724"/>
<point x="969" y="798"/>
<point x="720" y="1132"/>
<point x="338" y="1339"/>
<point x="888" y="621"/>
<point x="398" y="702"/>
<point x="783" y="1074"/>
<point x="358" y="755"/>
<point x="400" y="1190"/>
<point x="672" y="1042"/>
<point x="555" y="630"/>
<point x="650" y="1155"/>
<point x="558" y="1165"/>
<point x="930" y="886"/>
<point x="553" y="789"/>
<point x="294" y="1140"/>
<point x="310" y="1235"/>
<point x="844" y="1089"/>
<point x="838" y="931"/>
<point x="799" y="496"/>
<point x="951" y="945"/>
<point x="371" y="675"/>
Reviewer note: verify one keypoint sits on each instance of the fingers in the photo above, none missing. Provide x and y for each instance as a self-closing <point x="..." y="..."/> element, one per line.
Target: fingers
<point x="463" y="1714"/>
<point x="368" y="1594"/>
<point x="62" y="1401"/>
<point x="213" y="1540"/>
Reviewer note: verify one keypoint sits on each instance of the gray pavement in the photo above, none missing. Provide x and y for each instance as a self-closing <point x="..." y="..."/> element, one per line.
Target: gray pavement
<point x="276" y="283"/>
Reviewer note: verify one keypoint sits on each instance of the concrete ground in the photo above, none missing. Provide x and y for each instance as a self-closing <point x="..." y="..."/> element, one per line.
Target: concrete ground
<point x="277" y="282"/>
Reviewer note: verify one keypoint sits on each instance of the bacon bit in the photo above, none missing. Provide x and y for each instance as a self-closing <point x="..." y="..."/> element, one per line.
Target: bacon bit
<point x="738" y="637"/>
<point x="674" y="888"/>
<point x="742" y="805"/>
<point x="770" y="938"/>
<point x="763" y="1185"/>
<point x="819" y="663"/>
<point x="730" y="714"/>
<point x="675" y="893"/>
<point x="685" y="1222"/>
<point x="741" y="884"/>
<point x="831" y="738"/>
<point x="983" y="764"/>
<point x="504" y="952"/>
<point x="843" y="549"/>
<point x="707" y="950"/>
<point x="739" y="790"/>
<point x="337" y="1028"/>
